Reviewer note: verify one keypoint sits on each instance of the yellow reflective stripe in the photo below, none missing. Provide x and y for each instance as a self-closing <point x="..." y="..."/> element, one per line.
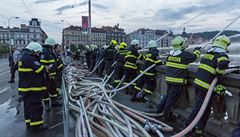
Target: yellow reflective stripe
<point x="207" y="68"/>
<point x="158" y="61"/>
<point x="32" y="89"/>
<point x="129" y="63"/>
<point x="140" y="56"/>
<point x="130" y="56"/>
<point x="125" y="83"/>
<point x="148" y="91"/>
<point x="128" y="66"/>
<point x="61" y="65"/>
<point x="46" y="99"/>
<point x="222" y="59"/>
<point x="134" y="84"/>
<point x="151" y="60"/>
<point x="147" y="73"/>
<point x="47" y="61"/>
<point x="54" y="95"/>
<point x="137" y="88"/>
<point x="39" y="69"/>
<point x="175" y="80"/>
<point x="176" y="65"/>
<point x="25" y="69"/>
<point x="36" y="123"/>
<point x="201" y="83"/>
<point x="116" y="81"/>
<point x="51" y="74"/>
<point x="220" y="71"/>
<point x="27" y="120"/>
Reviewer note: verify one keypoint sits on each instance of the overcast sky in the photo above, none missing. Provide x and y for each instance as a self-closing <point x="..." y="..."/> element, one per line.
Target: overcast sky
<point x="130" y="14"/>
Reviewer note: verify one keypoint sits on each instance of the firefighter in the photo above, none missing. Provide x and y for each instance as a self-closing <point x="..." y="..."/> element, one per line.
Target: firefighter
<point x="152" y="57"/>
<point x="212" y="64"/>
<point x="93" y="56"/>
<point x="109" y="55"/>
<point x="31" y="85"/>
<point x="87" y="54"/>
<point x="130" y="66"/>
<point x="102" y="65"/>
<point x="120" y="61"/>
<point x="176" y="72"/>
<point x="60" y="65"/>
<point x="48" y="58"/>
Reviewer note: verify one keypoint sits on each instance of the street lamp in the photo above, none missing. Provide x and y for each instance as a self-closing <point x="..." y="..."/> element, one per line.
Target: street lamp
<point x="64" y="46"/>
<point x="9" y="33"/>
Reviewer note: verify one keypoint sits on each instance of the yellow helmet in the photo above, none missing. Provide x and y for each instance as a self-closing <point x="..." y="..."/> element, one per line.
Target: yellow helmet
<point x="222" y="41"/>
<point x="178" y="43"/>
<point x="113" y="43"/>
<point x="122" y="45"/>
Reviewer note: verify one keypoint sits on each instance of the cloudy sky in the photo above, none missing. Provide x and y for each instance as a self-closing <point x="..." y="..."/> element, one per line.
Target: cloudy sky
<point x="130" y="14"/>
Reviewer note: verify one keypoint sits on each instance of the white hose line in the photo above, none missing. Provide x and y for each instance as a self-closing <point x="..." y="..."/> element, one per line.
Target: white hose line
<point x="134" y="80"/>
<point x="201" y="111"/>
<point x="96" y="66"/>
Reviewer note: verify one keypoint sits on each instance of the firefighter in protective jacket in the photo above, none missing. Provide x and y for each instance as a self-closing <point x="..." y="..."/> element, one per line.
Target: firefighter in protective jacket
<point x="176" y="72"/>
<point x="48" y="58"/>
<point x="212" y="64"/>
<point x="32" y="85"/>
<point x="148" y="79"/>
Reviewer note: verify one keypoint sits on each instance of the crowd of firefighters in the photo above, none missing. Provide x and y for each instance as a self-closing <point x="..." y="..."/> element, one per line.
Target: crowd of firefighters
<point x="127" y="63"/>
<point x="40" y="69"/>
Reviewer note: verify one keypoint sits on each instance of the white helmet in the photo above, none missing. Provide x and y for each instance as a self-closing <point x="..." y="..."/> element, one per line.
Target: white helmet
<point x="134" y="42"/>
<point x="34" y="46"/>
<point x="152" y="44"/>
<point x="49" y="41"/>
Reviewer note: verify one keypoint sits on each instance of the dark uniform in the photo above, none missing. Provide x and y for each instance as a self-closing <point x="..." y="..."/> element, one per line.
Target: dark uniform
<point x="149" y="77"/>
<point x="212" y="64"/>
<point x="130" y="66"/>
<point x="108" y="56"/>
<point x="48" y="58"/>
<point x="59" y="72"/>
<point x="119" y="66"/>
<point x="93" y="56"/>
<point x="88" y="59"/>
<point x="176" y="73"/>
<point x="31" y="86"/>
<point x="102" y="65"/>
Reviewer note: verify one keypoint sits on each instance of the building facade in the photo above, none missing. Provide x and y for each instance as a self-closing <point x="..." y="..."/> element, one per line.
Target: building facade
<point x="115" y="33"/>
<point x="145" y="35"/>
<point x="21" y="36"/>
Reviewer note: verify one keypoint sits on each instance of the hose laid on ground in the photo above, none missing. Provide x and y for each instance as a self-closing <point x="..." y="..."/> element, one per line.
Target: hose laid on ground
<point x="96" y="112"/>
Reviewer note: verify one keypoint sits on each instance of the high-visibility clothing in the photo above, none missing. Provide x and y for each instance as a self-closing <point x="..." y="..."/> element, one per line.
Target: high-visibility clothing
<point x="151" y="58"/>
<point x="131" y="58"/>
<point x="31" y="73"/>
<point x="212" y="64"/>
<point x="31" y="86"/>
<point x="176" y="67"/>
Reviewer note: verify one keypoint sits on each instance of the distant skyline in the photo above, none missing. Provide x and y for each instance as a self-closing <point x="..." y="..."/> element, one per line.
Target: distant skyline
<point x="130" y="14"/>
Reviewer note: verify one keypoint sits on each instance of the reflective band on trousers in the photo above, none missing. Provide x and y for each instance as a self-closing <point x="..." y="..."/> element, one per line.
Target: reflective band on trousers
<point x="116" y="81"/>
<point x="130" y="56"/>
<point x="201" y="83"/>
<point x="27" y="120"/>
<point x="148" y="59"/>
<point x="32" y="89"/>
<point x="207" y="68"/>
<point x="148" y="91"/>
<point x="137" y="88"/>
<point x="47" y="61"/>
<point x="147" y="73"/>
<point x="175" y="80"/>
<point x="36" y="123"/>
<point x="176" y="65"/>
